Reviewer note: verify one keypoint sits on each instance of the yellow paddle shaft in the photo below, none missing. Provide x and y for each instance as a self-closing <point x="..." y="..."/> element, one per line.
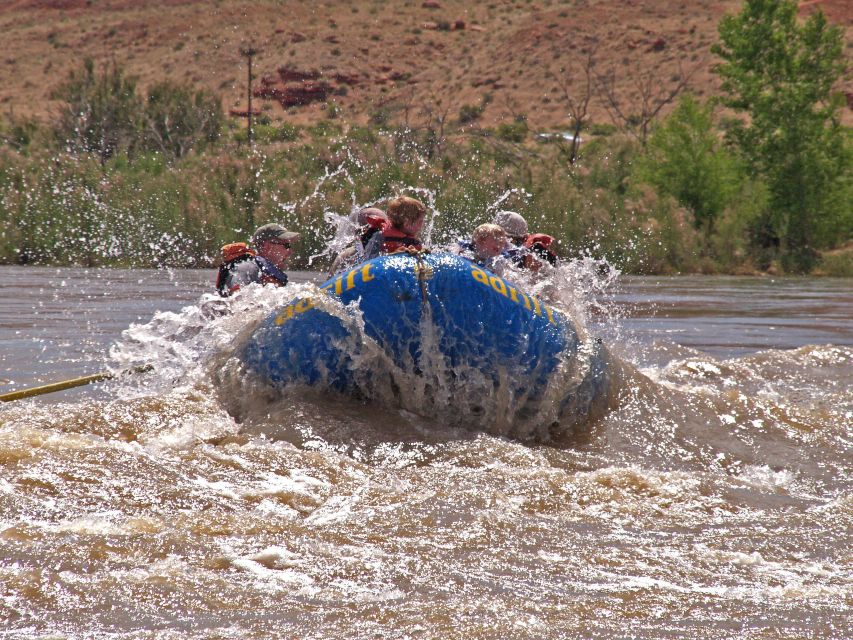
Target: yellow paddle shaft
<point x="65" y="384"/>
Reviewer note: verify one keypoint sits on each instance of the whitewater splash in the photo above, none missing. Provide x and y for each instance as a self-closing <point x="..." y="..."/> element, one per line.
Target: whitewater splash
<point x="711" y="500"/>
<point x="197" y="345"/>
<point x="201" y="345"/>
<point x="740" y="416"/>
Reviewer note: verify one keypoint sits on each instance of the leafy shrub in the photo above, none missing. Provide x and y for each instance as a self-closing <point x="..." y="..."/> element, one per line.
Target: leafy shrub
<point x="603" y="129"/>
<point x="325" y="129"/>
<point x="512" y="131"/>
<point x="837" y="264"/>
<point x="469" y="113"/>
<point x="266" y="133"/>
<point x="789" y="131"/>
<point x="686" y="160"/>
<point x="178" y="118"/>
<point x="288" y="132"/>
<point x="18" y="133"/>
<point x="100" y="112"/>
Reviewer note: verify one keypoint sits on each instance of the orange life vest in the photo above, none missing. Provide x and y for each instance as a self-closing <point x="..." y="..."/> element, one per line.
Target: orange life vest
<point x="394" y="240"/>
<point x="540" y="245"/>
<point x="235" y="250"/>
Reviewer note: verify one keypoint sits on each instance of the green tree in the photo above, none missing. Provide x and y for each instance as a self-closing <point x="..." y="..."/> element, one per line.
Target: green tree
<point x="781" y="73"/>
<point x="179" y="118"/>
<point x="685" y="159"/>
<point x="100" y="112"/>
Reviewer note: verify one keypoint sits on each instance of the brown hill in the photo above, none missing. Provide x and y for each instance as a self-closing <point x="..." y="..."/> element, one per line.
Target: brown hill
<point x="499" y="58"/>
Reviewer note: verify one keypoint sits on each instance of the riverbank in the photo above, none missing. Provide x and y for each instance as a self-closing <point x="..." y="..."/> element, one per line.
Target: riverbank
<point x="62" y="209"/>
<point x="660" y="162"/>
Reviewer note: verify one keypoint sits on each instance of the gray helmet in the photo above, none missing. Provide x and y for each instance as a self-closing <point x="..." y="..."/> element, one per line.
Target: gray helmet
<point x="273" y="231"/>
<point x="360" y="216"/>
<point x="511" y="222"/>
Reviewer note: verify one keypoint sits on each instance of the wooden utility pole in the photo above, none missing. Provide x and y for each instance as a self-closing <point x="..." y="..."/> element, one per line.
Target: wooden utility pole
<point x="249" y="53"/>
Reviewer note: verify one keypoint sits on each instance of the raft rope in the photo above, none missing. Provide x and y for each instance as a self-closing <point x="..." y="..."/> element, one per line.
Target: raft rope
<point x="423" y="270"/>
<point x="423" y="274"/>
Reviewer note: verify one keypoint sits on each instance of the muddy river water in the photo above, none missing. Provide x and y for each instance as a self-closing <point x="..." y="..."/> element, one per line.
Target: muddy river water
<point x="712" y="499"/>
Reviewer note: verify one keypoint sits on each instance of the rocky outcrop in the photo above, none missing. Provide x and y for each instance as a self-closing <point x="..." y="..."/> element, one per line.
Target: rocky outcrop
<point x="291" y="94"/>
<point x="287" y="74"/>
<point x="296" y="87"/>
<point x="446" y="25"/>
<point x="658" y="45"/>
<point x="346" y="78"/>
<point x="243" y="113"/>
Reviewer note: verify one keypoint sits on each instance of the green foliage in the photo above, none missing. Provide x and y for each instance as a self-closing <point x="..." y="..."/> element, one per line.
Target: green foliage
<point x="603" y="129"/>
<point x="610" y="163"/>
<point x="512" y="131"/>
<point x="146" y="209"/>
<point x="730" y="244"/>
<point x="381" y="117"/>
<point x="363" y="134"/>
<point x="266" y="133"/>
<point x="469" y="113"/>
<point x="780" y="74"/>
<point x="18" y="133"/>
<point x="685" y="159"/>
<point x="325" y="129"/>
<point x="178" y="119"/>
<point x="838" y="264"/>
<point x="100" y="112"/>
<point x="262" y="118"/>
<point x="661" y="235"/>
<point x="288" y="132"/>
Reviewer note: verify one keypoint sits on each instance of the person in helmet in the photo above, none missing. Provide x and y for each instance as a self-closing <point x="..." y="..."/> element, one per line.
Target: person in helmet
<point x="263" y="260"/>
<point x="402" y="231"/>
<point x="488" y="244"/>
<point x="530" y="249"/>
<point x="369" y="221"/>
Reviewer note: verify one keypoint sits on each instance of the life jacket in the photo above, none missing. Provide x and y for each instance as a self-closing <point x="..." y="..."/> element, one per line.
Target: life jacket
<point x="270" y="274"/>
<point x="237" y="252"/>
<point x="374" y="225"/>
<point x="394" y="240"/>
<point x="231" y="254"/>
<point x="540" y="245"/>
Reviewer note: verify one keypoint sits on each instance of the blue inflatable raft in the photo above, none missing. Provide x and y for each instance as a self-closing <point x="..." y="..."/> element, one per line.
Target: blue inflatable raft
<point x="435" y="317"/>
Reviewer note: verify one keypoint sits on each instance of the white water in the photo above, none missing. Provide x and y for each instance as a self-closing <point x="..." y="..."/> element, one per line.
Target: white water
<point x="712" y="500"/>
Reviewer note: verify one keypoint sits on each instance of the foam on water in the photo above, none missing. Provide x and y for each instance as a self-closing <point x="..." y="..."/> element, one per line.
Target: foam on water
<point x="709" y="499"/>
<point x="695" y="408"/>
<point x="193" y="349"/>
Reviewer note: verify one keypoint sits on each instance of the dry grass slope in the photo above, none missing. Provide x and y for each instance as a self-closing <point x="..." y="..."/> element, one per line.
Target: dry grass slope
<point x="510" y="57"/>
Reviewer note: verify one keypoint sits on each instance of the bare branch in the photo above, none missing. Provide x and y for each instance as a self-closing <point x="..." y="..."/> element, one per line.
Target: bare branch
<point x="578" y="95"/>
<point x="649" y="93"/>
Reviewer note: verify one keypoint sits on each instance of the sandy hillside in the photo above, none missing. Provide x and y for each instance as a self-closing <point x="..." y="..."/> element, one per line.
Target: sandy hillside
<point x="368" y="57"/>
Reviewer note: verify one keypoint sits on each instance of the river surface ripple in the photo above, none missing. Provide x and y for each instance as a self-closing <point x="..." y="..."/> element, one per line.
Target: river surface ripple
<point x="712" y="500"/>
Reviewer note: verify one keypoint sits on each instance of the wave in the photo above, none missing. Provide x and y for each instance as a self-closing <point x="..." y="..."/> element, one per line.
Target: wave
<point x="772" y="412"/>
